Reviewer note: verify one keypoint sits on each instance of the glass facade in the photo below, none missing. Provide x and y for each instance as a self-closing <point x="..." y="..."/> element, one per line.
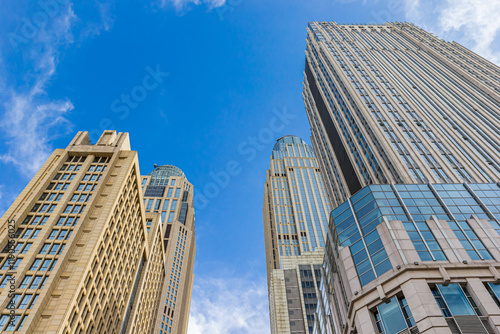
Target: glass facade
<point x="295" y="211"/>
<point x="161" y="174"/>
<point x="299" y="197"/>
<point x="452" y="300"/>
<point x="381" y="115"/>
<point x="394" y="316"/>
<point x="404" y="131"/>
<point x="354" y="222"/>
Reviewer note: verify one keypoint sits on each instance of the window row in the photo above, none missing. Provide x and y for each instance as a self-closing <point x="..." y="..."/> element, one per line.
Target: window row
<point x="60" y="234"/>
<point x="43" y="265"/>
<point x="70" y="168"/>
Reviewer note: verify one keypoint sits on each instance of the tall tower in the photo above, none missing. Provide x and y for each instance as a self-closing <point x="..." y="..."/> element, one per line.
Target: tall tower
<point x="76" y="253"/>
<point x="394" y="104"/>
<point x="295" y="226"/>
<point x="168" y="194"/>
<point x="406" y="130"/>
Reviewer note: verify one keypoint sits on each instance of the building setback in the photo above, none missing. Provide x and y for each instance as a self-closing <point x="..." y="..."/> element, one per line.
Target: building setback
<point x="406" y="130"/>
<point x="295" y="213"/>
<point x="79" y="252"/>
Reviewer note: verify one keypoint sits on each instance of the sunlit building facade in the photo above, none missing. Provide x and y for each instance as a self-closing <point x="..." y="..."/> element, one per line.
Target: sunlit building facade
<point x="295" y="215"/>
<point x="406" y="130"/>
<point x="76" y="254"/>
<point x="169" y="195"/>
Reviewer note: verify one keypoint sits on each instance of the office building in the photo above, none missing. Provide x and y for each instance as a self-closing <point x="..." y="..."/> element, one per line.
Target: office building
<point x="406" y="130"/>
<point x="79" y="252"/>
<point x="295" y="213"/>
<point x="168" y="193"/>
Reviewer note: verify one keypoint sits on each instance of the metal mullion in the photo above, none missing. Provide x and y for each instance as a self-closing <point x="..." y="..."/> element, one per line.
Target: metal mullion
<point x="454" y="219"/>
<point x="409" y="216"/>
<point x="354" y="215"/>
<point x="480" y="202"/>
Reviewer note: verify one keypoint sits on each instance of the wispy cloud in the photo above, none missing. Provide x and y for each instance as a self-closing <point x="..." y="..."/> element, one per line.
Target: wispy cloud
<point x="183" y="4"/>
<point x="229" y="305"/>
<point x="104" y="22"/>
<point x="30" y="119"/>
<point x="470" y="22"/>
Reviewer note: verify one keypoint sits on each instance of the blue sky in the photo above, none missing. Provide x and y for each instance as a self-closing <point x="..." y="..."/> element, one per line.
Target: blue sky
<point x="228" y="83"/>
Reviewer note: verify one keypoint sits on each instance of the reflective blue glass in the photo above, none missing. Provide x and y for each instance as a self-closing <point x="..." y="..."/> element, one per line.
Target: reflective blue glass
<point x="362" y="202"/>
<point x="370" y="227"/>
<point x="341" y="216"/>
<point x="456" y="300"/>
<point x="392" y="317"/>
<point x="360" y="194"/>
<point x="367" y="277"/>
<point x="496" y="289"/>
<point x="374" y="202"/>
<point x="383" y="267"/>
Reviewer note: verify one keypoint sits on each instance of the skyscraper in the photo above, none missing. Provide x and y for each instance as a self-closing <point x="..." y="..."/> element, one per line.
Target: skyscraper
<point x="79" y="252"/>
<point x="168" y="193"/>
<point x="406" y="130"/>
<point x="295" y="215"/>
<point x="393" y="104"/>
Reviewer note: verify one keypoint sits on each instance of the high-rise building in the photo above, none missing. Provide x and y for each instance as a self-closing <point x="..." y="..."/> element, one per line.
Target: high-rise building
<point x="394" y="104"/>
<point x="406" y="130"/>
<point x="295" y="213"/>
<point x="168" y="193"/>
<point x="79" y="252"/>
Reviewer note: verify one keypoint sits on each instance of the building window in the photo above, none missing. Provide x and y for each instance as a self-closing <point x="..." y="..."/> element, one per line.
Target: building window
<point x="24" y="302"/>
<point x="494" y="290"/>
<point x="6" y="281"/>
<point x="394" y="316"/>
<point x="25" y="281"/>
<point x="36" y="282"/>
<point x="452" y="300"/>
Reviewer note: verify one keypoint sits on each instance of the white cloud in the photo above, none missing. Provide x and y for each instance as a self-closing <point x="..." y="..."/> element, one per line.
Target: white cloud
<point x="30" y="125"/>
<point x="104" y="23"/>
<point x="31" y="120"/>
<point x="229" y="305"/>
<point x="472" y="23"/>
<point x="182" y="4"/>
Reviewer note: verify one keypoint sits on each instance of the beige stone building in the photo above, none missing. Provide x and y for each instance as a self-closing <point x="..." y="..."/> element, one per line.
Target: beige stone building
<point x="295" y="212"/>
<point x="79" y="252"/>
<point x="406" y="130"/>
<point x="168" y="193"/>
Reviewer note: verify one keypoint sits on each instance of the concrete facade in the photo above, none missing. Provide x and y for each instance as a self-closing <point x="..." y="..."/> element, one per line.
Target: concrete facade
<point x="80" y="253"/>
<point x="169" y="195"/>
<point x="391" y="104"/>
<point x="295" y="225"/>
